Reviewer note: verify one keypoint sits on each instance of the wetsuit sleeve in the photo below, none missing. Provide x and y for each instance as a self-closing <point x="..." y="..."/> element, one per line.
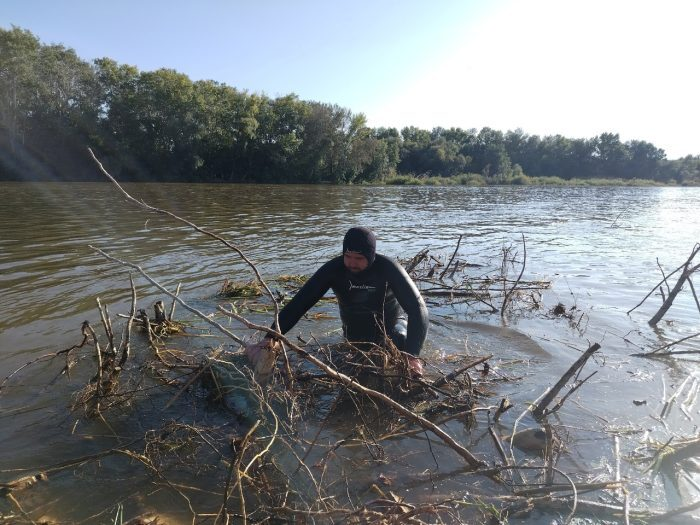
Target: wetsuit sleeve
<point x="307" y="296"/>
<point x="410" y="299"/>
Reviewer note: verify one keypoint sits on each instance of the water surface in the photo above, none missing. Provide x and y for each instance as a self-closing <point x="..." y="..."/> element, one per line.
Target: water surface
<point x="597" y="246"/>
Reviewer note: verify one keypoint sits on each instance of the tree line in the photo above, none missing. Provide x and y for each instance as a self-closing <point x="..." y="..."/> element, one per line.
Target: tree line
<point x="162" y="126"/>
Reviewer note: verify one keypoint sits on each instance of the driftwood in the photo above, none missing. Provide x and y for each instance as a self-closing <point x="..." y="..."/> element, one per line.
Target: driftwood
<point x="493" y="289"/>
<point x="461" y="370"/>
<point x="686" y="269"/>
<point x="663" y="351"/>
<point x="447" y="266"/>
<point x="507" y="295"/>
<point x="541" y="409"/>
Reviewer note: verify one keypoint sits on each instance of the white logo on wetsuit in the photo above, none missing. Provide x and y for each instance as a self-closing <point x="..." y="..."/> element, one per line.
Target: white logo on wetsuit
<point x="361" y="286"/>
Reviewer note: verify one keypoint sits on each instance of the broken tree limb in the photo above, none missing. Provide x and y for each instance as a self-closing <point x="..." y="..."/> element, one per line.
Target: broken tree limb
<point x="171" y="314"/>
<point x="451" y="258"/>
<point x="106" y="323"/>
<point x="182" y="303"/>
<point x="159" y="310"/>
<point x="449" y="377"/>
<point x="658" y="352"/>
<point x="672" y="296"/>
<point x="194" y="227"/>
<point x="417" y="259"/>
<point x="659" y="284"/>
<point x="687" y="271"/>
<point x="695" y="295"/>
<point x="352" y="384"/>
<point x="539" y="411"/>
<point x="126" y="339"/>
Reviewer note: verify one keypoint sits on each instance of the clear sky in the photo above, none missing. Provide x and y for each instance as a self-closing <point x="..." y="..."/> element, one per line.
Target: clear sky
<point x="572" y="67"/>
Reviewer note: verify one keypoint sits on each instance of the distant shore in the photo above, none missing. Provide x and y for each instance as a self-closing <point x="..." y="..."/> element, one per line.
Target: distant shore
<point x="475" y="179"/>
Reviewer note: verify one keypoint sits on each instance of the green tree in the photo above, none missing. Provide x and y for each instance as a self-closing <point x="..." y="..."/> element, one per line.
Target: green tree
<point x="644" y="160"/>
<point x="611" y="156"/>
<point x="19" y="50"/>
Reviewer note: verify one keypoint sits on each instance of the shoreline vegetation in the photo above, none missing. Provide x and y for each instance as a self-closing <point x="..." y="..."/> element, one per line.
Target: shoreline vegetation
<point x="475" y="179"/>
<point x="160" y="126"/>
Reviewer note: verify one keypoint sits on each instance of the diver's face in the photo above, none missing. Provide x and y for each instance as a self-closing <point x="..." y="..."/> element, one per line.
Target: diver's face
<point x="355" y="262"/>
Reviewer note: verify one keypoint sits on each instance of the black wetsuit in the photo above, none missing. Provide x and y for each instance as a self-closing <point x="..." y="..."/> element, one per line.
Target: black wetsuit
<point x="369" y="301"/>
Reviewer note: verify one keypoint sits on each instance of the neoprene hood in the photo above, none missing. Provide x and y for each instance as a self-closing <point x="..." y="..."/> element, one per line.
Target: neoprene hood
<point x="361" y="240"/>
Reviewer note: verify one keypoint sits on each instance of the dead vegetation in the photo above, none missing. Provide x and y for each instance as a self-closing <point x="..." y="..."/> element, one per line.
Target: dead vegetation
<point x="668" y="295"/>
<point x="487" y="289"/>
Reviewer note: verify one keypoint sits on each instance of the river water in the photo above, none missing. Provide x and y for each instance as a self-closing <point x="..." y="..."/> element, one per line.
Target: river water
<point x="597" y="246"/>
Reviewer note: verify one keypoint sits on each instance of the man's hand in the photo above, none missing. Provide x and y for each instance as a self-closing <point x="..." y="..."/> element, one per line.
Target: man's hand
<point x="262" y="357"/>
<point x="415" y="365"/>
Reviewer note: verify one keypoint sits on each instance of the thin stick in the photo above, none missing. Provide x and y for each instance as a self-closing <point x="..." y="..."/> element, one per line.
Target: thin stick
<point x="104" y="317"/>
<point x="549" y="455"/>
<point x="667" y="406"/>
<point x="98" y="353"/>
<point x="661" y="518"/>
<point x="48" y="356"/>
<point x="673" y="343"/>
<point x="568" y="394"/>
<point x="538" y="412"/>
<point x="692" y="396"/>
<point x="562" y="487"/>
<point x="199" y="314"/>
<point x="618" y="479"/>
<point x="172" y="306"/>
<point x="449" y="377"/>
<point x="196" y="228"/>
<point x="125" y="347"/>
<point x="235" y="467"/>
<point x="654" y="288"/>
<point x="687" y="271"/>
<point x="665" y="281"/>
<point x="451" y="258"/>
<point x="499" y="446"/>
<point x="695" y="295"/>
<point x="192" y="379"/>
<point x="522" y="270"/>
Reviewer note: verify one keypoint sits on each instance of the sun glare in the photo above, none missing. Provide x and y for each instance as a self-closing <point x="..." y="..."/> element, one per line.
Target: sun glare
<point x="576" y="69"/>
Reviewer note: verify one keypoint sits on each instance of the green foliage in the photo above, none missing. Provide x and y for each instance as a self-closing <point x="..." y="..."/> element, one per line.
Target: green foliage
<point x="403" y="180"/>
<point x="469" y="179"/>
<point x="161" y="126"/>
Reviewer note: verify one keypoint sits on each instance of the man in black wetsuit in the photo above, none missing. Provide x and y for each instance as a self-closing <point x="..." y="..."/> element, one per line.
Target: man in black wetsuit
<point x="374" y="293"/>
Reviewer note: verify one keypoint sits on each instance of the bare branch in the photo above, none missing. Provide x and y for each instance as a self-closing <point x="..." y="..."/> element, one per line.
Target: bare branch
<point x="194" y="227"/>
<point x="515" y="285"/>
<point x="182" y="303"/>
<point x="451" y="258"/>
<point x="539" y="410"/>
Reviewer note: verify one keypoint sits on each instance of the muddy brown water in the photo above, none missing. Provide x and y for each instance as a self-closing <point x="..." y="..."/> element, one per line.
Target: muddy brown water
<point x="597" y="246"/>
